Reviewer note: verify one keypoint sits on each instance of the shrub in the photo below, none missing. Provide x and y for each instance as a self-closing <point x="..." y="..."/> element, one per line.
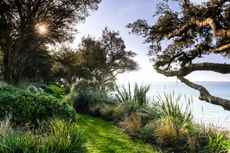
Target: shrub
<point x="170" y="132"/>
<point x="55" y="91"/>
<point x="168" y="125"/>
<point x="212" y="140"/>
<point x="28" y="108"/>
<point x="86" y="99"/>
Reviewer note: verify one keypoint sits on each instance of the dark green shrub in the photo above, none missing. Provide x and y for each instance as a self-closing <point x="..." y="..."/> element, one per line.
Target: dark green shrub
<point x="55" y="91"/>
<point x="86" y="99"/>
<point x="28" y="108"/>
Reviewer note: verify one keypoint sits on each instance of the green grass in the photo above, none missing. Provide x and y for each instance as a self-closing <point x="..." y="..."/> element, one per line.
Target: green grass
<point x="104" y="137"/>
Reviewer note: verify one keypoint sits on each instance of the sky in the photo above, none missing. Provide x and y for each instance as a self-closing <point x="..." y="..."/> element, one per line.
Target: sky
<point x="116" y="14"/>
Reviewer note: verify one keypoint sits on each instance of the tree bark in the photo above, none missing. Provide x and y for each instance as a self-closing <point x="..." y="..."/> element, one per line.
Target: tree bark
<point x="14" y="62"/>
<point x="205" y="95"/>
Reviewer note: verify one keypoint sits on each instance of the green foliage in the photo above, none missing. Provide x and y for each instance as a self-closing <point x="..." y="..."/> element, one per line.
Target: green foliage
<point x="212" y="140"/>
<point x="63" y="137"/>
<point x="55" y="91"/>
<point x="132" y="100"/>
<point x="168" y="105"/>
<point x="85" y="99"/>
<point x="104" y="137"/>
<point x="30" y="109"/>
<point x="138" y="93"/>
<point x="96" y="60"/>
<point x="58" y="16"/>
<point x="218" y="143"/>
<point x="168" y="125"/>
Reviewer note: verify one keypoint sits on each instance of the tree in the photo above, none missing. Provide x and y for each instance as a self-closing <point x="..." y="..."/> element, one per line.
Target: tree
<point x="99" y="60"/>
<point x="193" y="32"/>
<point x="1" y="64"/>
<point x="65" y="65"/>
<point x="28" y="24"/>
<point x="40" y="67"/>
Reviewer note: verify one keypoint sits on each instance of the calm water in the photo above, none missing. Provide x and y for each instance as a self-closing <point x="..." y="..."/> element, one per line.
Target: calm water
<point x="203" y="112"/>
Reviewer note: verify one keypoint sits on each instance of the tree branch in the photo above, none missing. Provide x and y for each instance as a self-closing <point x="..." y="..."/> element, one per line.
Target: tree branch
<point x="221" y="48"/>
<point x="203" y="23"/>
<point x="205" y="95"/>
<point x="216" y="67"/>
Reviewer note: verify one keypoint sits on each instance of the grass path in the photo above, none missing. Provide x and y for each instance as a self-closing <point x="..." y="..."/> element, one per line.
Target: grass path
<point x="104" y="137"/>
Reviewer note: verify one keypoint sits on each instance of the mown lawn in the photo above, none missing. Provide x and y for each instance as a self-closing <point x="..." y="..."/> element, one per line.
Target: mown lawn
<point x="104" y="137"/>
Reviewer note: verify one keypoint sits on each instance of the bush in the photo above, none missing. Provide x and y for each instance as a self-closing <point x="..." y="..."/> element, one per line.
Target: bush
<point x="27" y="108"/>
<point x="86" y="99"/>
<point x="55" y="91"/>
<point x="168" y="125"/>
<point x="209" y="140"/>
<point x="63" y="137"/>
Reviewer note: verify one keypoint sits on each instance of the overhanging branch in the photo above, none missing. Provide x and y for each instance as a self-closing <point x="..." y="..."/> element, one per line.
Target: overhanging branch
<point x="205" y="95"/>
<point x="220" y="68"/>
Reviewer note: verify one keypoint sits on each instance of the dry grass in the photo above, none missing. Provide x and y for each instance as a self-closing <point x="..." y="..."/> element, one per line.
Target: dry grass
<point x="131" y="124"/>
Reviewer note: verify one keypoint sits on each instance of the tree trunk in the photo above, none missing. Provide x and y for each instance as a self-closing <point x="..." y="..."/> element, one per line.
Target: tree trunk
<point x="14" y="63"/>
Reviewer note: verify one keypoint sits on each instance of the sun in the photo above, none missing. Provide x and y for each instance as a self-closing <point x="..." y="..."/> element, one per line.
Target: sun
<point x="41" y="28"/>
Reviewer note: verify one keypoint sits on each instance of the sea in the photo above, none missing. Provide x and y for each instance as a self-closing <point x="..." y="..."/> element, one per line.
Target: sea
<point x="204" y="113"/>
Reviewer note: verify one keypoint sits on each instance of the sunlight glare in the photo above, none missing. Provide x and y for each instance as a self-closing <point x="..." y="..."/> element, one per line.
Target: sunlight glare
<point x="41" y="28"/>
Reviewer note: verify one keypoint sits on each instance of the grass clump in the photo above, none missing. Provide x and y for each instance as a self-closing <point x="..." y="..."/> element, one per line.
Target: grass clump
<point x="64" y="137"/>
<point x="168" y="125"/>
<point x="61" y="137"/>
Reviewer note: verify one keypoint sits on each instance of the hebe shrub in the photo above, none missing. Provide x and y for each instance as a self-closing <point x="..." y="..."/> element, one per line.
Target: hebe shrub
<point x="30" y="109"/>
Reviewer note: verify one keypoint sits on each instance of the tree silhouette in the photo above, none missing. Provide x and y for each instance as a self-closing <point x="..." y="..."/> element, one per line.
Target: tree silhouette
<point x="26" y="25"/>
<point x="194" y="32"/>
